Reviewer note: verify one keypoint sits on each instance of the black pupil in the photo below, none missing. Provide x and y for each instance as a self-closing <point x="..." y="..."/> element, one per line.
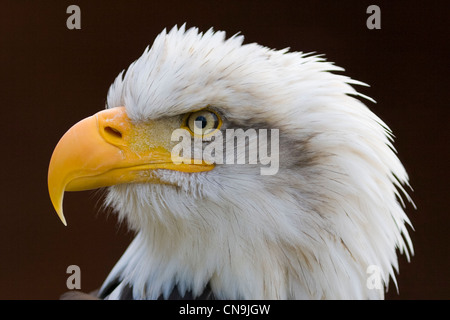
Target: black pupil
<point x="201" y="119"/>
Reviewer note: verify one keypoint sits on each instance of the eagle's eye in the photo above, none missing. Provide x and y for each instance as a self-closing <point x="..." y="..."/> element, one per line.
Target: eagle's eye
<point x="203" y="123"/>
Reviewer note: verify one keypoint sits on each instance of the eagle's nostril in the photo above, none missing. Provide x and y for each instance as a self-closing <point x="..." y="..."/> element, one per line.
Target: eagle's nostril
<point x="113" y="132"/>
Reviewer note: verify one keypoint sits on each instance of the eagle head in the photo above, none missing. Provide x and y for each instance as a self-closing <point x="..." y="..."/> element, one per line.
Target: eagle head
<point x="300" y="197"/>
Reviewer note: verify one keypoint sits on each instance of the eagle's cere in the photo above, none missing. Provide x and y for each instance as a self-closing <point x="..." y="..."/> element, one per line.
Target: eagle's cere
<point x="311" y="230"/>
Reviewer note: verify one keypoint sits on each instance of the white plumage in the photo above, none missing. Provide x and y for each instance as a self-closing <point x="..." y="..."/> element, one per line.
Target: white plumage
<point x="308" y="232"/>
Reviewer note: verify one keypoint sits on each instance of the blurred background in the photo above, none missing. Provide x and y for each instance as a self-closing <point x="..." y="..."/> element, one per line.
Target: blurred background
<point x="52" y="77"/>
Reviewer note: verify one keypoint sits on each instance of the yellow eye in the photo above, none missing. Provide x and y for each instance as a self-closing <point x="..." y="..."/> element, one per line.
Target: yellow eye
<point x="203" y="123"/>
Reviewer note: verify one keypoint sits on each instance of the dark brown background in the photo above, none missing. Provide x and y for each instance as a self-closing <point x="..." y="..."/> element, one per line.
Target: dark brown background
<point x="51" y="77"/>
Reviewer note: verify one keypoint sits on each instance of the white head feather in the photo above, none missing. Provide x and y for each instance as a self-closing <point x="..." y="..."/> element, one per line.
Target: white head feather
<point x="311" y="230"/>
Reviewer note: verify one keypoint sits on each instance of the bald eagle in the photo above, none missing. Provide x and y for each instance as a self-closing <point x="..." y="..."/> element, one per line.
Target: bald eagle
<point x="314" y="229"/>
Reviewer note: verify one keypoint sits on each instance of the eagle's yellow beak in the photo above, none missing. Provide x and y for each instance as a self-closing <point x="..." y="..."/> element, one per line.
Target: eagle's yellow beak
<point x="107" y="149"/>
